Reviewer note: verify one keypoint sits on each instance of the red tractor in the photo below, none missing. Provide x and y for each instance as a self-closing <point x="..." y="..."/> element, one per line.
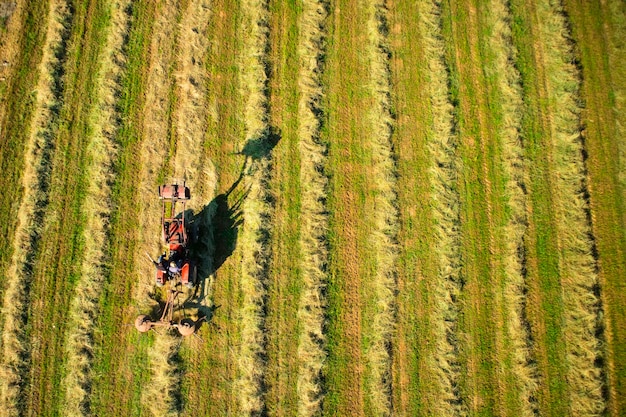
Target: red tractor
<point x="174" y="234"/>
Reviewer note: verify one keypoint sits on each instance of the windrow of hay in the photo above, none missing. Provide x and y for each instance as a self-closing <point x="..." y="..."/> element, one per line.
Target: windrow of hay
<point x="314" y="217"/>
<point x="579" y="279"/>
<point x="257" y="208"/>
<point x="442" y="145"/>
<point x="191" y="81"/>
<point x="510" y="90"/>
<point x="97" y="208"/>
<point x="165" y="379"/>
<point x="385" y="214"/>
<point x="157" y="149"/>
<point x="15" y="347"/>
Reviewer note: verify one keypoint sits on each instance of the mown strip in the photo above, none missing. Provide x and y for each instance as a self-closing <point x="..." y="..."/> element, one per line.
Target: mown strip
<point x="480" y="187"/>
<point x="426" y="367"/>
<point x="59" y="252"/>
<point x="19" y="105"/>
<point x="313" y="212"/>
<point x="257" y="210"/>
<point x="582" y="321"/>
<point x="546" y="305"/>
<point x="505" y="95"/>
<point x="383" y="240"/>
<point x="352" y="260"/>
<point x="593" y="26"/>
<point x="97" y="208"/>
<point x="18" y="278"/>
<point x="160" y="392"/>
<point x="285" y="279"/>
<point x="117" y="377"/>
<point x="211" y="367"/>
<point x="11" y="29"/>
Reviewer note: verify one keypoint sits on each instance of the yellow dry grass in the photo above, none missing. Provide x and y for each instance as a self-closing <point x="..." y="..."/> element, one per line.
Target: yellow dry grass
<point x="384" y="214"/>
<point x="9" y="51"/>
<point x="157" y="395"/>
<point x="256" y="211"/>
<point x="14" y="346"/>
<point x="312" y="342"/>
<point x="579" y="279"/>
<point x="509" y="88"/>
<point x="191" y="80"/>
<point x="442" y="143"/>
<point x="84" y="306"/>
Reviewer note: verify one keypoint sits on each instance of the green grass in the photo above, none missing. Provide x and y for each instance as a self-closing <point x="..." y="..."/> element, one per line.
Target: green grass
<point x="112" y="391"/>
<point x="285" y="279"/>
<point x="543" y="269"/>
<point x="479" y="184"/>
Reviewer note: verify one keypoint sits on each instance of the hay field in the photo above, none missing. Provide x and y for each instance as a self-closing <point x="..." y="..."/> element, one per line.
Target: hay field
<point x="398" y="208"/>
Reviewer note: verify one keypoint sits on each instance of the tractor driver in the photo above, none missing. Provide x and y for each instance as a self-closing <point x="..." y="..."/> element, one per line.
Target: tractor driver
<point x="173" y="269"/>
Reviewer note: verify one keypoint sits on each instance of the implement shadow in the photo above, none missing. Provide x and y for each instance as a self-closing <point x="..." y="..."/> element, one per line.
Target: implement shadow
<point x="214" y="230"/>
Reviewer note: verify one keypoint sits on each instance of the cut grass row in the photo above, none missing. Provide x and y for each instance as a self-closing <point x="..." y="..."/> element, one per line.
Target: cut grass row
<point x="119" y="360"/>
<point x="582" y="322"/>
<point x="426" y="368"/>
<point x="313" y="213"/>
<point x="58" y="255"/>
<point x="480" y="189"/>
<point x="363" y="217"/>
<point x="383" y="290"/>
<point x="18" y="108"/>
<point x="545" y="306"/>
<point x="517" y="362"/>
<point x="97" y="208"/>
<point x="17" y="278"/>
<point x="598" y="29"/>
<point x="567" y="327"/>
<point x="159" y="393"/>
<point x="212" y="369"/>
<point x="257" y="209"/>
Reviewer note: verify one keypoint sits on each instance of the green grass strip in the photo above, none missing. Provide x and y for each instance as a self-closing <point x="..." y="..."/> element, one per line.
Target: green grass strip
<point x="117" y="382"/>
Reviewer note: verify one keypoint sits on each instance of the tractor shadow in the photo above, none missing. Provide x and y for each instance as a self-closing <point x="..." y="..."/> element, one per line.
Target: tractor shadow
<point x="214" y="230"/>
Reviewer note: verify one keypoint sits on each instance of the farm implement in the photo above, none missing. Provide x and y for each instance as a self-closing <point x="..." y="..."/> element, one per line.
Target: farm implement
<point x="175" y="270"/>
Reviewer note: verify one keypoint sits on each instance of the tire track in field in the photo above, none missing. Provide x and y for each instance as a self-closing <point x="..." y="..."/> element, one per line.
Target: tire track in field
<point x="257" y="209"/>
<point x="16" y="348"/>
<point x="158" y="148"/>
<point x="97" y="205"/>
<point x="314" y="215"/>
<point x="509" y="86"/>
<point x="385" y="214"/>
<point x="579" y="279"/>
<point x="442" y="144"/>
